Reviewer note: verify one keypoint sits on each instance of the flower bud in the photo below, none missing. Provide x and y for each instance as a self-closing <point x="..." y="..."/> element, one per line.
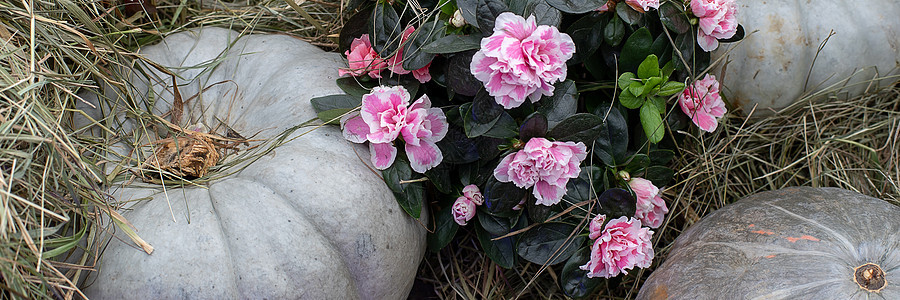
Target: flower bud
<point x="457" y="19"/>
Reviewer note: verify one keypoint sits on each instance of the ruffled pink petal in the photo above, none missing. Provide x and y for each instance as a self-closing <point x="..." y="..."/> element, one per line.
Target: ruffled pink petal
<point x="705" y="121"/>
<point x="514" y="25"/>
<point x="354" y="128"/>
<point x="707" y="43"/>
<point x="422" y="75"/>
<point x="424" y="156"/>
<point x="382" y="154"/>
<point x="548" y="194"/>
<point x="438" y="124"/>
<point x="502" y="170"/>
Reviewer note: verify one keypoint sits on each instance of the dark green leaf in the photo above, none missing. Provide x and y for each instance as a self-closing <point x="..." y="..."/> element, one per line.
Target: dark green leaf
<point x="576" y="6"/>
<point x="670" y="88"/>
<point x="652" y="123"/>
<point x="636" y="48"/>
<point x="581" y="127"/>
<point x="453" y="43"/>
<point x="473" y="127"/>
<point x="352" y="87"/>
<point x="414" y="57"/>
<point x="496" y="225"/>
<point x="659" y="175"/>
<point x="505" y="127"/>
<point x="537" y="213"/>
<point x="668" y="69"/>
<point x="331" y="102"/>
<point x="487" y="12"/>
<point x="579" y="189"/>
<point x="661" y="157"/>
<point x="354" y="28"/>
<point x="562" y="104"/>
<point x="629" y="101"/>
<point x="488" y="147"/>
<point x="448" y="7"/>
<point x="674" y="19"/>
<point x="628" y="14"/>
<point x="457" y="148"/>
<point x="445" y="229"/>
<point x="549" y="243"/>
<point x="468" y="8"/>
<point x="685" y="43"/>
<point x="613" y="140"/>
<point x="614" y="32"/>
<point x="574" y="280"/>
<point x="616" y="203"/>
<point x="637" y="163"/>
<point x="386" y="30"/>
<point x="587" y="33"/>
<point x="333" y="116"/>
<point x="738" y="35"/>
<point x="501" y="197"/>
<point x="485" y="108"/>
<point x="440" y="177"/>
<point x="544" y="14"/>
<point x="534" y="126"/>
<point x="460" y="79"/>
<point x="410" y="196"/>
<point x="501" y="251"/>
<point x="660" y="47"/>
<point x="649" y="67"/>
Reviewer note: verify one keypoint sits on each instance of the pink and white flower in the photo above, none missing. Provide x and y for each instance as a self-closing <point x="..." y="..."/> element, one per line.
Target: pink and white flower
<point x="701" y="101"/>
<point x="463" y="210"/>
<point x="651" y="208"/>
<point x="547" y="166"/>
<point x="363" y="59"/>
<point x="623" y="245"/>
<point x="717" y="21"/>
<point x="595" y="228"/>
<point x="521" y="60"/>
<point x="472" y="192"/>
<point x="395" y="63"/>
<point x="385" y="115"/>
<point x="643" y="6"/>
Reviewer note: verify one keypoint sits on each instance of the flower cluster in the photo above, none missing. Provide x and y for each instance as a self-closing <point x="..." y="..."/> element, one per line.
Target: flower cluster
<point x="545" y="165"/>
<point x="651" y="209"/>
<point x="717" y="21"/>
<point x="622" y="245"/>
<point x="521" y="60"/>
<point x="465" y="205"/>
<point x="702" y="103"/>
<point x="363" y="59"/>
<point x="386" y="115"/>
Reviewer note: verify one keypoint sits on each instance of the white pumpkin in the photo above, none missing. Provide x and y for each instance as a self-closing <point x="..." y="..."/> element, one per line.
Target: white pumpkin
<point x="770" y="66"/>
<point x="309" y="220"/>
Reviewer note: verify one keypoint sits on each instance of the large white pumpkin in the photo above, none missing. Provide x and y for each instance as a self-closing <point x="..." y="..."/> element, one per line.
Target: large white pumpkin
<point x="770" y="66"/>
<point x="309" y="220"/>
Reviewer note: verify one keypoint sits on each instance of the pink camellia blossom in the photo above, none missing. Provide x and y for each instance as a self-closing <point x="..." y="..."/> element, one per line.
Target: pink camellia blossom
<point x="701" y="101"/>
<point x="395" y="63"/>
<point x="363" y="59"/>
<point x="385" y="114"/>
<point x="651" y="209"/>
<point x="595" y="228"/>
<point x="545" y="165"/>
<point x="521" y="60"/>
<point x="717" y="21"/>
<point x="643" y="5"/>
<point x="463" y="210"/>
<point x="623" y="245"/>
<point x="472" y="192"/>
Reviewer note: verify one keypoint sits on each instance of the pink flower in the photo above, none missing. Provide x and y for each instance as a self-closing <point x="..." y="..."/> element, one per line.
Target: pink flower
<point x="609" y="5"/>
<point x="385" y="115"/>
<point x="701" y="102"/>
<point x="395" y="63"/>
<point x="651" y="209"/>
<point x="521" y="60"/>
<point x="595" y="228"/>
<point x="472" y="192"/>
<point x="362" y="58"/>
<point x="717" y="21"/>
<point x="545" y="165"/>
<point x="463" y="210"/>
<point x="622" y="245"/>
<point x="643" y="5"/>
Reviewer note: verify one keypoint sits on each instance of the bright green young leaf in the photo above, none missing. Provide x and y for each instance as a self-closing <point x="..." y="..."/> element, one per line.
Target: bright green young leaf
<point x="629" y="100"/>
<point x="659" y="102"/>
<point x="625" y="80"/>
<point x="649" y="67"/>
<point x="652" y="122"/>
<point x="671" y="88"/>
<point x="651" y="83"/>
<point x="637" y="88"/>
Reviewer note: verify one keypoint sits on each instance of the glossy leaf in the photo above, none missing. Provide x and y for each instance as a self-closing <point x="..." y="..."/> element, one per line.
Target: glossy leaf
<point x="534" y="126"/>
<point x="670" y="88"/>
<point x="649" y="67"/>
<point x="501" y="197"/>
<point x="587" y="33"/>
<point x="457" y="148"/>
<point x="651" y="121"/>
<point x="549" y="243"/>
<point x="440" y="177"/>
<point x="616" y="203"/>
<point x="414" y="57"/>
<point x="505" y="127"/>
<point x="330" y="102"/>
<point x="386" y="29"/>
<point x="544" y="13"/>
<point x="562" y="104"/>
<point x="629" y="100"/>
<point x="636" y="49"/>
<point x="574" y="280"/>
<point x="473" y="127"/>
<point x="496" y="225"/>
<point x="576" y="6"/>
<point x="352" y="87"/>
<point x="581" y="127"/>
<point x="614" y="31"/>
<point x="674" y="19"/>
<point x="613" y="141"/>
<point x="445" y="229"/>
<point x="485" y="108"/>
<point x="625" y="80"/>
<point x="502" y="251"/>
<point x="460" y="79"/>
<point x="332" y="116"/>
<point x="468" y="10"/>
<point x="661" y="157"/>
<point x="453" y="43"/>
<point x="486" y="12"/>
<point x="410" y="196"/>
<point x="637" y="163"/>
<point x="628" y="14"/>
<point x="659" y="175"/>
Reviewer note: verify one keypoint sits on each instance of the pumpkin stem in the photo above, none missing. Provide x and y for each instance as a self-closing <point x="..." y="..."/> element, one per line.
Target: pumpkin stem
<point x="870" y="277"/>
